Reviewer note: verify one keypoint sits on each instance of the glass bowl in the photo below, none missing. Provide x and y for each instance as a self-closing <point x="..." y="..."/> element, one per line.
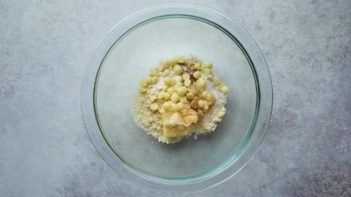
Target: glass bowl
<point x="140" y="42"/>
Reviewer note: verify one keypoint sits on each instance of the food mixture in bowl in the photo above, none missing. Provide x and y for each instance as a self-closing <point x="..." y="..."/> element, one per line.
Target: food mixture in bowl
<point x="180" y="97"/>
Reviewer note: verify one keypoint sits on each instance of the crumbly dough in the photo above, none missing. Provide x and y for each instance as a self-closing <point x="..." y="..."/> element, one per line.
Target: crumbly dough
<point x="180" y="97"/>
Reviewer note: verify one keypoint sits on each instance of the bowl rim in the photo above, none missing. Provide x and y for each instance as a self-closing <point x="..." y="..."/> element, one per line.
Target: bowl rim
<point x="263" y="113"/>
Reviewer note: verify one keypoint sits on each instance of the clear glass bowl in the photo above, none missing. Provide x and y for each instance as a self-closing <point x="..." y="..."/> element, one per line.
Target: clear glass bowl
<point x="139" y="43"/>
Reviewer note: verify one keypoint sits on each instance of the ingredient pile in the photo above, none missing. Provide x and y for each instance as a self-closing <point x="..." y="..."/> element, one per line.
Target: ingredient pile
<point x="180" y="97"/>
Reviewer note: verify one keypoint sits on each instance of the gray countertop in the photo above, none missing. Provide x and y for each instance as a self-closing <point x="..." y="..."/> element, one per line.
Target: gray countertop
<point x="45" y="150"/>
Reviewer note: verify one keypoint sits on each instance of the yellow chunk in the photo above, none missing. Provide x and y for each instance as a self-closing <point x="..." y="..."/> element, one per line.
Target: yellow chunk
<point x="178" y="69"/>
<point x="187" y="82"/>
<point x="175" y="97"/>
<point x="211" y="126"/>
<point x="164" y="87"/>
<point x="201" y="83"/>
<point x="143" y="90"/>
<point x="168" y="81"/>
<point x="149" y="80"/>
<point x="144" y="83"/>
<point x="153" y="72"/>
<point x="206" y="107"/>
<point x="152" y="98"/>
<point x="221" y="114"/>
<point x="186" y="76"/>
<point x="209" y="66"/>
<point x="207" y="95"/>
<point x="197" y="66"/>
<point x="173" y="106"/>
<point x="154" y="107"/>
<point x="169" y="63"/>
<point x="165" y="65"/>
<point x="179" y="83"/>
<point x="161" y="110"/>
<point x="194" y="89"/>
<point x="176" y="119"/>
<point x="204" y="93"/>
<point x="180" y="106"/>
<point x="190" y="116"/>
<point x="190" y="95"/>
<point x="181" y="59"/>
<point x="197" y="74"/>
<point x="183" y="99"/>
<point x="224" y="89"/>
<point x="166" y="95"/>
<point x="160" y="95"/>
<point x="167" y="106"/>
<point x="181" y="90"/>
<point x="207" y="71"/>
<point x="202" y="103"/>
<point x="170" y="90"/>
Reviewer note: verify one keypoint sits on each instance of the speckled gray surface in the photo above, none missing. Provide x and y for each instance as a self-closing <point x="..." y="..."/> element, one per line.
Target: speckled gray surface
<point x="45" y="150"/>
